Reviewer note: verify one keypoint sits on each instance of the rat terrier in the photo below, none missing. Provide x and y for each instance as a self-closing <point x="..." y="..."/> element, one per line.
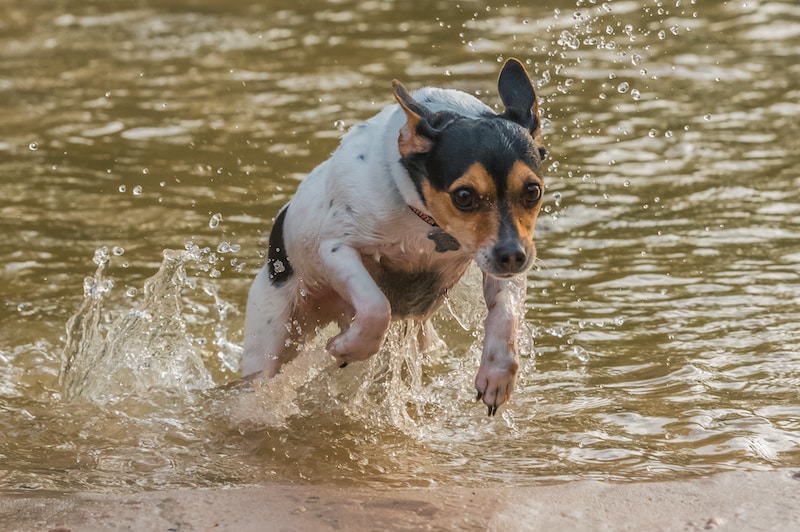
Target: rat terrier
<point x="390" y="222"/>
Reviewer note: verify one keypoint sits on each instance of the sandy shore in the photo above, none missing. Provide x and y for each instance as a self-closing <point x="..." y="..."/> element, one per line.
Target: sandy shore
<point x="729" y="501"/>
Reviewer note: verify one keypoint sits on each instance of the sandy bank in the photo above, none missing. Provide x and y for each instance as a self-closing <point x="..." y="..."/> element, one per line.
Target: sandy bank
<point x="729" y="501"/>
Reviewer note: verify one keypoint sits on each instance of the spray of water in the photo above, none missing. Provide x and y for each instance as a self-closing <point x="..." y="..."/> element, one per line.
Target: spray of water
<point x="416" y="384"/>
<point x="147" y="346"/>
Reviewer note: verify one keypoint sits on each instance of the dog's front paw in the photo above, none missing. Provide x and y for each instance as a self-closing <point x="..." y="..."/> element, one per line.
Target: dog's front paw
<point x="361" y="340"/>
<point x="496" y="378"/>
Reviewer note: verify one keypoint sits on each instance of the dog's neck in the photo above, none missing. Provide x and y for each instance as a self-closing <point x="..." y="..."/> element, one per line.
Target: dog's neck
<point x="444" y="241"/>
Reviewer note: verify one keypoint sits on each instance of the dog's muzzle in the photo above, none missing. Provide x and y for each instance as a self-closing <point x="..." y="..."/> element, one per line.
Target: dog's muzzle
<point x="506" y="259"/>
<point x="510" y="258"/>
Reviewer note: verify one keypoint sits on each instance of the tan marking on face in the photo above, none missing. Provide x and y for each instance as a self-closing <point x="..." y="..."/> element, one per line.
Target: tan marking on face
<point x="524" y="218"/>
<point x="472" y="229"/>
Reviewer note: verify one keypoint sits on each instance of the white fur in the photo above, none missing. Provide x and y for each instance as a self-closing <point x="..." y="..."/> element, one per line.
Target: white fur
<point x="350" y="219"/>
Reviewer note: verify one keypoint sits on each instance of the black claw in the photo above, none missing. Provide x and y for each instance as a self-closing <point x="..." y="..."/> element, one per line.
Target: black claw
<point x="343" y="365"/>
<point x="492" y="410"/>
<point x="480" y="394"/>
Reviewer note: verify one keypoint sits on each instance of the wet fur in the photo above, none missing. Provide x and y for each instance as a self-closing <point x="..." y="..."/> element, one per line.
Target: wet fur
<point x="349" y="247"/>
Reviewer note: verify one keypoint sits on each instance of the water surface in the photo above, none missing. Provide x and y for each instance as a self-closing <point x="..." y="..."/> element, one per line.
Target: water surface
<point x="662" y="338"/>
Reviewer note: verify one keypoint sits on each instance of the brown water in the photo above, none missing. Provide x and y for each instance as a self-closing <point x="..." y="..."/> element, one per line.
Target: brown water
<point x="663" y="334"/>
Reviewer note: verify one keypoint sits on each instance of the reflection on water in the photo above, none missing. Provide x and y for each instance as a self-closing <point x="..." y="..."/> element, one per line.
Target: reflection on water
<point x="662" y="335"/>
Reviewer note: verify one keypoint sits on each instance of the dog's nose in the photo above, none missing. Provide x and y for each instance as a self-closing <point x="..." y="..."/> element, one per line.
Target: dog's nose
<point x="510" y="257"/>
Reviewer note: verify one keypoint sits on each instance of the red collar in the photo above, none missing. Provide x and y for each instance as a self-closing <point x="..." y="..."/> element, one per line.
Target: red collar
<point x="424" y="217"/>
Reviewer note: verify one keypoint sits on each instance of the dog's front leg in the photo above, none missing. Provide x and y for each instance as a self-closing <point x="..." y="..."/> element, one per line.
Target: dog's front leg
<point x="347" y="275"/>
<point x="505" y="299"/>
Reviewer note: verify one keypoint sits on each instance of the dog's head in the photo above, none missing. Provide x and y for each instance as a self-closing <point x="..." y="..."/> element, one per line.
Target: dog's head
<point x="480" y="178"/>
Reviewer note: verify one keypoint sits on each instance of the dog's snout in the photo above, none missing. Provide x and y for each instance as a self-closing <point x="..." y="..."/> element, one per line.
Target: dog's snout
<point x="510" y="257"/>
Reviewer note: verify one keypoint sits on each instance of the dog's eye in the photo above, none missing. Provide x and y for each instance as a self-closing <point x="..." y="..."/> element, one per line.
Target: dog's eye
<point x="465" y="199"/>
<point x="531" y="194"/>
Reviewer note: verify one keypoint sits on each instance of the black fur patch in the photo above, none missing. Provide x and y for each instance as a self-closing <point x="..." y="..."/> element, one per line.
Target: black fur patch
<point x="280" y="270"/>
<point x="444" y="241"/>
<point x="495" y="143"/>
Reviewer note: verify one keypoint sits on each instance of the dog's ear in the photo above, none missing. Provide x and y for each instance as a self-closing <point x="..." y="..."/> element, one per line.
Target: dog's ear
<point x="519" y="96"/>
<point x="416" y="136"/>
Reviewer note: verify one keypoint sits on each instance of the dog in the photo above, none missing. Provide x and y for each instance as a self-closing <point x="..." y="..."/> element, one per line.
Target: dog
<point x="389" y="223"/>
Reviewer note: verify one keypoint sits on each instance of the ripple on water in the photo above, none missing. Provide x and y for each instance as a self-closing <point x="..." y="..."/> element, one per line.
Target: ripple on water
<point x="661" y="338"/>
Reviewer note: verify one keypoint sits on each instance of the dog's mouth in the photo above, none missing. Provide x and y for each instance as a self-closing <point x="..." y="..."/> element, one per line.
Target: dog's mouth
<point x="504" y="276"/>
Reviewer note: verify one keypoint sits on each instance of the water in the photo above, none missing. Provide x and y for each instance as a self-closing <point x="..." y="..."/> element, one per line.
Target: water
<point x="662" y="335"/>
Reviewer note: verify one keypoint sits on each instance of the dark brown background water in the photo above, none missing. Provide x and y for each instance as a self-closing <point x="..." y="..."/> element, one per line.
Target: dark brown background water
<point x="665" y="312"/>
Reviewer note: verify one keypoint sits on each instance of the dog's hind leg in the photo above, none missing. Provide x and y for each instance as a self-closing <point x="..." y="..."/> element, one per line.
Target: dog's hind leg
<point x="270" y="337"/>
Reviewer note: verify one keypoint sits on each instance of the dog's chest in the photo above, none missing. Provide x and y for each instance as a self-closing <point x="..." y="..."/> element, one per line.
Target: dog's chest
<point x="412" y="294"/>
<point x="417" y="292"/>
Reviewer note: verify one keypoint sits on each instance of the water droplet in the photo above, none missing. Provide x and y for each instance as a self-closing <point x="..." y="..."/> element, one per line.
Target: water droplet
<point x="137" y="190"/>
<point x="117" y="251"/>
<point x="33" y="146"/>
<point x="626" y="183"/>
<point x="636" y="59"/>
<point x="130" y="292"/>
<point x="568" y="40"/>
<point x="662" y="35"/>
<point x="227" y="247"/>
<point x="652" y="133"/>
<point x="145" y="171"/>
<point x="623" y="87"/>
<point x="215" y="220"/>
<point x="707" y="118"/>
<point x="668" y="134"/>
<point x="635" y="94"/>
<point x="122" y="188"/>
<point x="339" y="124"/>
<point x="557" y="198"/>
<point x="581" y="353"/>
<point x="100" y="256"/>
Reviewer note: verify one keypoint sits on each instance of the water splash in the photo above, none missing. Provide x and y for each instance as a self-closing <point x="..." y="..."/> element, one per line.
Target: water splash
<point x="388" y="391"/>
<point x="147" y="346"/>
<point x="417" y="385"/>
